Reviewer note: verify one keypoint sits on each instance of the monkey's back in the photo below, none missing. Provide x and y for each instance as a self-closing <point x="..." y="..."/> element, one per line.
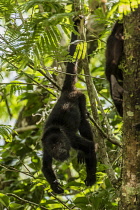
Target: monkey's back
<point x="66" y="112"/>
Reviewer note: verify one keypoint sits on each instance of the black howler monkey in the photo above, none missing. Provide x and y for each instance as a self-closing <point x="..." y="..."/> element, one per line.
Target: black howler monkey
<point x="113" y="73"/>
<point x="66" y="119"/>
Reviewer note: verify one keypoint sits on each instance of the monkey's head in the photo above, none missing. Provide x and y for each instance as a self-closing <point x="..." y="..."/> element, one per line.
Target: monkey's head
<point x="118" y="31"/>
<point x="57" y="145"/>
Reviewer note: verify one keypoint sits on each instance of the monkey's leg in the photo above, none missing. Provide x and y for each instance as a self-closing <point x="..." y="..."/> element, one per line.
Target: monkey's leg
<point x="86" y="132"/>
<point x="86" y="146"/>
<point x="84" y="128"/>
<point x="90" y="160"/>
<point x="49" y="173"/>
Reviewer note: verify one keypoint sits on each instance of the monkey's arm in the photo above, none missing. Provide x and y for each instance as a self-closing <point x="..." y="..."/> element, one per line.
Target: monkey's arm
<point x="86" y="132"/>
<point x="91" y="163"/>
<point x="49" y="173"/>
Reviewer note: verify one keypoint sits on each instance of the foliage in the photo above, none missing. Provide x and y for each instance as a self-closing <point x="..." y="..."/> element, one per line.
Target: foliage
<point x="33" y="48"/>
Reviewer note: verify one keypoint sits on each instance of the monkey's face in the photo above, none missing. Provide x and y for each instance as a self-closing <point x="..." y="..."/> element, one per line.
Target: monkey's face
<point x="59" y="147"/>
<point x="119" y="32"/>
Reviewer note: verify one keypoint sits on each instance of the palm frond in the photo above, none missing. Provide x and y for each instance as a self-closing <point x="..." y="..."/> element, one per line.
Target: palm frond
<point x="6" y="132"/>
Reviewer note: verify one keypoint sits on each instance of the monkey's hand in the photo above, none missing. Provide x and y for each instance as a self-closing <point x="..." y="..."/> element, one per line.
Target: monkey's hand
<point x="90" y="180"/>
<point x="117" y="93"/>
<point x="81" y="157"/>
<point x="56" y="187"/>
<point x="116" y="89"/>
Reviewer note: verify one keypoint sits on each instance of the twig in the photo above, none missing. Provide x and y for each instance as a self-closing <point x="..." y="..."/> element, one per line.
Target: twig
<point x="28" y="174"/>
<point x="93" y="98"/>
<point x="48" y="78"/>
<point x="16" y="83"/>
<point x="111" y="139"/>
<point x="39" y="70"/>
<point x="20" y="14"/>
<point x="29" y="77"/>
<point x="38" y="83"/>
<point x="27" y="128"/>
<point x="26" y="201"/>
<point x="49" y="193"/>
<point x="10" y="168"/>
<point x="7" y="106"/>
<point x="78" y="74"/>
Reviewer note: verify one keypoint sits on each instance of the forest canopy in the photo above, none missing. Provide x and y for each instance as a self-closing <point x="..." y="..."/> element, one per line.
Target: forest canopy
<point x="34" y="41"/>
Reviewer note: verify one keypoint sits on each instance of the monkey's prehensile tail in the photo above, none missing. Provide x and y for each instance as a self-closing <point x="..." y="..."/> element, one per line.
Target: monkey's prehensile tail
<point x="70" y="79"/>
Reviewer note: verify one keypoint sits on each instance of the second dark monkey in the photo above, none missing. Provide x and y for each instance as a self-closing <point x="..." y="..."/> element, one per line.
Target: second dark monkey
<point x="113" y="73"/>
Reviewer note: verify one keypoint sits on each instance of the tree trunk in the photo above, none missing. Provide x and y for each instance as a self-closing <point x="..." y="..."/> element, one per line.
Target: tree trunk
<point x="130" y="190"/>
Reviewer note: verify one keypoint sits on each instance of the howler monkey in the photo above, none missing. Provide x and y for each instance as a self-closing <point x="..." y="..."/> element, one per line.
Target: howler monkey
<point x="113" y="73"/>
<point x="68" y="117"/>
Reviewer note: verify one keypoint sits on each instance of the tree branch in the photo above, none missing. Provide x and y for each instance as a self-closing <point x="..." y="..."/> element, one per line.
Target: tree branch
<point x="27" y="128"/>
<point x="26" y="201"/>
<point x="111" y="139"/>
<point x="10" y="168"/>
<point x="51" y="194"/>
<point x="93" y="98"/>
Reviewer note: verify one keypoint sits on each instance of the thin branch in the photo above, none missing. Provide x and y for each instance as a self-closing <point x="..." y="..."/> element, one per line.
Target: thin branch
<point x="106" y="98"/>
<point x="39" y="70"/>
<point x="30" y="77"/>
<point x="111" y="139"/>
<point x="78" y="74"/>
<point x="24" y="165"/>
<point x="26" y="201"/>
<point x="48" y="78"/>
<point x="16" y="83"/>
<point x="10" y="168"/>
<point x="30" y="64"/>
<point x="7" y="106"/>
<point x="8" y="43"/>
<point x="49" y="193"/>
<point x="38" y="83"/>
<point x="93" y="99"/>
<point x="21" y="83"/>
<point x="27" y="128"/>
<point x="20" y="14"/>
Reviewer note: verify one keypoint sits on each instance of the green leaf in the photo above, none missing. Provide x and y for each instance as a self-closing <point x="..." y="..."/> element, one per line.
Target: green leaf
<point x="4" y="199"/>
<point x="6" y="132"/>
<point x="81" y="200"/>
<point x="14" y="206"/>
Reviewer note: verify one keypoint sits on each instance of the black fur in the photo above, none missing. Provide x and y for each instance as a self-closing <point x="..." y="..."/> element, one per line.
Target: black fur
<point x="66" y="119"/>
<point x="113" y="73"/>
